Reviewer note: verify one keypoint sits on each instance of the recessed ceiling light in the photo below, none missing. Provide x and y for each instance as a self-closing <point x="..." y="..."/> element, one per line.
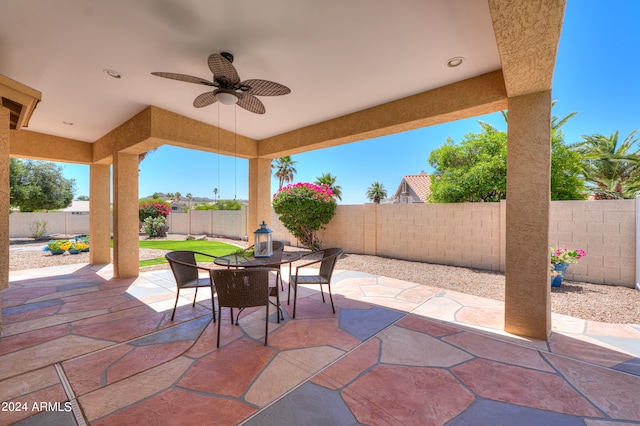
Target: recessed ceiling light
<point x="112" y="73"/>
<point x="68" y="123"/>
<point x="455" y="61"/>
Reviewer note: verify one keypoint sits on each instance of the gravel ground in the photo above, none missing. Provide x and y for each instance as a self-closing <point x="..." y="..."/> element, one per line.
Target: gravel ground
<point x="612" y="304"/>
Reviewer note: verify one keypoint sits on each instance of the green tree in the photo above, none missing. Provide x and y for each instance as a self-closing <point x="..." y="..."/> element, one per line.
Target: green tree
<point x="476" y="168"/>
<point x="303" y="209"/>
<point x="284" y="170"/>
<point x="190" y="198"/>
<point x="215" y="194"/>
<point x="611" y="168"/>
<point x="376" y="192"/>
<point x="82" y="198"/>
<point x="330" y="181"/>
<point x="17" y="182"/>
<point x="39" y="185"/>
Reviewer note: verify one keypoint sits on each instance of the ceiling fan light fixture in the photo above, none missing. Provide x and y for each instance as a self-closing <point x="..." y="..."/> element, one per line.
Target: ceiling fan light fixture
<point x="455" y="61"/>
<point x="112" y="73"/>
<point x="226" y="97"/>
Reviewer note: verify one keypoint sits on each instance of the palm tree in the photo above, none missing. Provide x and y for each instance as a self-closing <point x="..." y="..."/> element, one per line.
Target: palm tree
<point x="556" y="122"/>
<point x="612" y="168"/>
<point x="190" y="198"/>
<point x="330" y="181"/>
<point x="376" y="192"/>
<point x="215" y="193"/>
<point x="284" y="169"/>
<point x="144" y="155"/>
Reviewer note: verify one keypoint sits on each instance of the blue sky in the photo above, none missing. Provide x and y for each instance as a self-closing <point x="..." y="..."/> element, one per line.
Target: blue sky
<point x="596" y="75"/>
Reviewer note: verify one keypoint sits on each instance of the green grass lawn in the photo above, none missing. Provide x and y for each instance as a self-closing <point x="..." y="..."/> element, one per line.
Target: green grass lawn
<point x="213" y="248"/>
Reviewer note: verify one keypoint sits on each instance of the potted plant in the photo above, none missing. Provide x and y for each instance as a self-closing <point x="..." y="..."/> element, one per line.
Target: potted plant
<point x="561" y="258"/>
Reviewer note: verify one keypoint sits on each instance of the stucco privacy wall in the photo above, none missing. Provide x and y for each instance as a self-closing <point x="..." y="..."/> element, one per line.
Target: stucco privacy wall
<point x="473" y="235"/>
<point x="20" y="224"/>
<point x="606" y="230"/>
<point x="212" y="222"/>
<point x="466" y="234"/>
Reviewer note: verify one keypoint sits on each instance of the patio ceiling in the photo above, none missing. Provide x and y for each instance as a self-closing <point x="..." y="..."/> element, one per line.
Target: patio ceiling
<point x="337" y="57"/>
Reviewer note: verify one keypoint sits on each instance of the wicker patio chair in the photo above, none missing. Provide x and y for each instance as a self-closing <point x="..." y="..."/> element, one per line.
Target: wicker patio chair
<point x="327" y="263"/>
<point x="185" y="271"/>
<point x="242" y="288"/>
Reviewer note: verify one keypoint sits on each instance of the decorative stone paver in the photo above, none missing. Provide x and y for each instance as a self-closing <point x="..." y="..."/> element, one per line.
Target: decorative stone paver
<point x="614" y="393"/>
<point x="228" y="371"/>
<point x="521" y="386"/>
<point x="402" y="395"/>
<point x="402" y="346"/>
<point x="394" y="353"/>
<point x="496" y="350"/>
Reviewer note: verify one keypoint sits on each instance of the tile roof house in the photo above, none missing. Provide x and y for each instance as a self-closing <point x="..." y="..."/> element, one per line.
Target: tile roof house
<point x="413" y="189"/>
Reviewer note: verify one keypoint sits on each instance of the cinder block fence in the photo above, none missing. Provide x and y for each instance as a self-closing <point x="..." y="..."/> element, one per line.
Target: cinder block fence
<point x="465" y="234"/>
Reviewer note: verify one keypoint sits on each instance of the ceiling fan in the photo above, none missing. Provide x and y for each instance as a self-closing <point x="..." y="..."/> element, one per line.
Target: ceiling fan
<point x="229" y="89"/>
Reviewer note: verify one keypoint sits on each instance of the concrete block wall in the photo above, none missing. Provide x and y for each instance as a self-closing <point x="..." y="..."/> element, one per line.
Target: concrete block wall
<point x="230" y="223"/>
<point x="347" y="229"/>
<point x="454" y="234"/>
<point x="57" y="223"/>
<point x="200" y="222"/>
<point x="280" y="233"/>
<point x="606" y="230"/>
<point x="466" y="234"/>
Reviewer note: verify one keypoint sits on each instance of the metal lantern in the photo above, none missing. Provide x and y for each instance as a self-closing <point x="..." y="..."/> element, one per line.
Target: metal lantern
<point x="263" y="245"/>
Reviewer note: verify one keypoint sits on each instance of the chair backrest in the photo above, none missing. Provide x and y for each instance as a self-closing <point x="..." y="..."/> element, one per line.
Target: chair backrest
<point x="183" y="264"/>
<point x="277" y="246"/>
<point x="241" y="288"/>
<point x="329" y="258"/>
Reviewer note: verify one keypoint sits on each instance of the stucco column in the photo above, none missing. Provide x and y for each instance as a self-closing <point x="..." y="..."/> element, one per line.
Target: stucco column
<point x="99" y="214"/>
<point x="126" y="230"/>
<point x="259" y="194"/>
<point x="4" y="200"/>
<point x="528" y="288"/>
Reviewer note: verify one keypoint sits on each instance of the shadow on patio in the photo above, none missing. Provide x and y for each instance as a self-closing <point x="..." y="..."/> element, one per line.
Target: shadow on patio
<point x="80" y="346"/>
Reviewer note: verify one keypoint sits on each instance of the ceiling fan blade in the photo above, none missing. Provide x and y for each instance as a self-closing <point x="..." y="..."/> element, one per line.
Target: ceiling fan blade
<point x="251" y="103"/>
<point x="204" y="100"/>
<point x="265" y="88"/>
<point x="183" y="77"/>
<point x="223" y="70"/>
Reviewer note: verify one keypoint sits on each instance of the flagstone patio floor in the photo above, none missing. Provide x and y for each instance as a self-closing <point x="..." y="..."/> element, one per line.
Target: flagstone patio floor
<point x="79" y="347"/>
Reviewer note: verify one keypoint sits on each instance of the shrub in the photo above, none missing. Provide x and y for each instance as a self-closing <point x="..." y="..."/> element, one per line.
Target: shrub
<point x="153" y="209"/>
<point x="206" y="206"/>
<point x="220" y="205"/>
<point x="155" y="226"/>
<point x="305" y="208"/>
<point x="38" y="228"/>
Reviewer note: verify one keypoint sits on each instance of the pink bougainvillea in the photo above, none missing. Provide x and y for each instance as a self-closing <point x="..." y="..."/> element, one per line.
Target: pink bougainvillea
<point x="304" y="208"/>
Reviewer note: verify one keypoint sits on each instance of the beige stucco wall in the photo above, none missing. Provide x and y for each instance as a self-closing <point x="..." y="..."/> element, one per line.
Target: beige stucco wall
<point x="230" y="223"/>
<point x="606" y="230"/>
<point x="347" y="229"/>
<point x="466" y="234"/>
<point x="57" y="223"/>
<point x="473" y="235"/>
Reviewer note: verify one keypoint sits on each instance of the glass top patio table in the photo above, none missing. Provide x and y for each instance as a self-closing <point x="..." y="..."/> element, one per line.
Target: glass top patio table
<point x="241" y="261"/>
